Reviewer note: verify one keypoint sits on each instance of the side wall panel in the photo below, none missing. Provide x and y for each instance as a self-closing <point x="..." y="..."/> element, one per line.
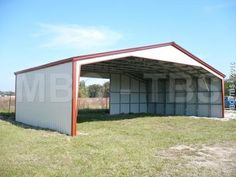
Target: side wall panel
<point x="46" y="102"/>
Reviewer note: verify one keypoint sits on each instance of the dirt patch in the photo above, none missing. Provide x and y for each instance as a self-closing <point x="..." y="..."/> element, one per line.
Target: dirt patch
<point x="214" y="157"/>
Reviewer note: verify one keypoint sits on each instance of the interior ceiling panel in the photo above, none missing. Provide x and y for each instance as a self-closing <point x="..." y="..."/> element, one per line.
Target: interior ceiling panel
<point x="139" y="66"/>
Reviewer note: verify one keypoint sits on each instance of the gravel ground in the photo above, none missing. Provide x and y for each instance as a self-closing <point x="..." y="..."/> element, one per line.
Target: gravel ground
<point x="230" y="114"/>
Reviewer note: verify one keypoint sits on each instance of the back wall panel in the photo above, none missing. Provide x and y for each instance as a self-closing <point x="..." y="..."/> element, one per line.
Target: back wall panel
<point x="127" y="95"/>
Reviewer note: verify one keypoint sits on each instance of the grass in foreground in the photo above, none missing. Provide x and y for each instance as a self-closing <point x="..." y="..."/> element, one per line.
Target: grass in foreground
<point x="129" y="145"/>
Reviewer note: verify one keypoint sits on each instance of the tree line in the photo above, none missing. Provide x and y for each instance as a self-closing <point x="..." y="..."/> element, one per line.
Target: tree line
<point x="94" y="90"/>
<point x="7" y="93"/>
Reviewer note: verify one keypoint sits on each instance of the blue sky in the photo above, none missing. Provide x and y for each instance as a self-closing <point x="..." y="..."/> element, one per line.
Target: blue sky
<point x="37" y="32"/>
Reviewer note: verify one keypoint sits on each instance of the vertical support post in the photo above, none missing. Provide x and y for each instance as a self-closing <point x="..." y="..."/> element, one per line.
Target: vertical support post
<point x="164" y="92"/>
<point x="147" y="88"/>
<point x="75" y="89"/>
<point x="197" y="101"/>
<point x="15" y="93"/>
<point x="186" y="99"/>
<point x="174" y="83"/>
<point x="155" y="95"/>
<point x="167" y="93"/>
<point x="110" y="94"/>
<point x="138" y="96"/>
<point x="222" y="97"/>
<point x="210" y="95"/>
<point x="120" y="95"/>
<point x="129" y="94"/>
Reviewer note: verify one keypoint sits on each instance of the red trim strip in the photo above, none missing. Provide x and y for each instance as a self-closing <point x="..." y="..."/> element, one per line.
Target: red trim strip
<point x="83" y="57"/>
<point x="223" y="97"/>
<point x="45" y="66"/>
<point x="197" y="59"/>
<point x="115" y="52"/>
<point x="74" y="101"/>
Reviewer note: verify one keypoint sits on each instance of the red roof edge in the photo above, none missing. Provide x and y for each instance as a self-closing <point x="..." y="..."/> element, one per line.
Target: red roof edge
<point x="115" y="52"/>
<point x="45" y="65"/>
<point x="82" y="57"/>
<point x="197" y="59"/>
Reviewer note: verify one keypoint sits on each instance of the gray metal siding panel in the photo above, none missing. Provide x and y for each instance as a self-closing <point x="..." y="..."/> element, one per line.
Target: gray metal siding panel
<point x="190" y="96"/>
<point x="115" y="109"/>
<point x="124" y="108"/>
<point x="143" y="108"/>
<point x="191" y="110"/>
<point x="216" y="111"/>
<point x="203" y="110"/>
<point x="170" y="110"/>
<point x="49" y="113"/>
<point x="160" y="109"/>
<point x="127" y="95"/>
<point x="134" y="108"/>
<point x="180" y="109"/>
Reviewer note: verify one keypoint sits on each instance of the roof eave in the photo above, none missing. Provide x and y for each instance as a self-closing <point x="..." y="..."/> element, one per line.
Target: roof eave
<point x="115" y="52"/>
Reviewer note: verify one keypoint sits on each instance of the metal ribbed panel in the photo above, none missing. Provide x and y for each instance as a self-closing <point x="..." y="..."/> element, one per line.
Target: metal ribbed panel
<point x="187" y="96"/>
<point x="55" y="115"/>
<point x="127" y="95"/>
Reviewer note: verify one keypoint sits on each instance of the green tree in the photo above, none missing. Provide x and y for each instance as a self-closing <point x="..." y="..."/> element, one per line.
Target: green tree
<point x="106" y="89"/>
<point x="95" y="90"/>
<point x="226" y="88"/>
<point x="83" y="91"/>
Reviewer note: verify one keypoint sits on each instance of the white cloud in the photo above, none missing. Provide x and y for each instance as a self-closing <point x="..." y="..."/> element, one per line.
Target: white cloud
<point x="76" y="37"/>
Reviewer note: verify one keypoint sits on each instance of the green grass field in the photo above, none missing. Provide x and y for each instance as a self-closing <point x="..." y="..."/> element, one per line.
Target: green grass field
<point x="126" y="145"/>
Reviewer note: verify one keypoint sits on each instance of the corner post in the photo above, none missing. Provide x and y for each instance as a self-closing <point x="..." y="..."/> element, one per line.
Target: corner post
<point x="15" y="92"/>
<point x="75" y="89"/>
<point x="222" y="97"/>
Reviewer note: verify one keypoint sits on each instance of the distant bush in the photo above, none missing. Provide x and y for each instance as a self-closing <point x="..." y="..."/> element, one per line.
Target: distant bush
<point x="6" y="114"/>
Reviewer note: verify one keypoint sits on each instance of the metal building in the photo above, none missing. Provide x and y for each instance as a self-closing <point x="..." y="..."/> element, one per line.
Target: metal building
<point x="161" y="79"/>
